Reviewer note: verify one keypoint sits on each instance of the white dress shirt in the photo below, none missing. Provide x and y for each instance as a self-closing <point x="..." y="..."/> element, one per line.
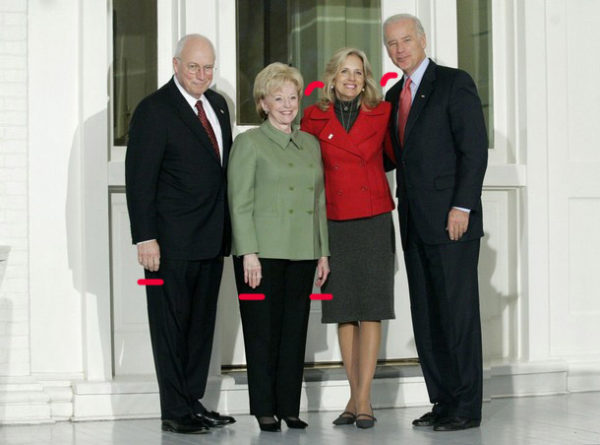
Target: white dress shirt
<point x="210" y="114"/>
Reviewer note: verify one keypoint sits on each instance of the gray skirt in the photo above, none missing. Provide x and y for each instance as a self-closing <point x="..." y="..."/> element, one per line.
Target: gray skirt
<point x="362" y="270"/>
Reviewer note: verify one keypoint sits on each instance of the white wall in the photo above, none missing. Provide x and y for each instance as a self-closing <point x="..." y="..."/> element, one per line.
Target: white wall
<point x="14" y="212"/>
<point x="55" y="192"/>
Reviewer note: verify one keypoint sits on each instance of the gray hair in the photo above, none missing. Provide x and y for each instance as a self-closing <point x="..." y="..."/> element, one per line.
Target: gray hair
<point x="181" y="43"/>
<point x="399" y="17"/>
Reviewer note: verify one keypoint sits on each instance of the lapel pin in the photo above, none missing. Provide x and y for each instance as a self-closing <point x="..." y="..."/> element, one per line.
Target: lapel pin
<point x="221" y="110"/>
<point x="422" y="97"/>
<point x="330" y="136"/>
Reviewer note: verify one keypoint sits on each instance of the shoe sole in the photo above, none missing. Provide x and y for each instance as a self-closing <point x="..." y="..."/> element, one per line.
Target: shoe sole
<point x="170" y="429"/>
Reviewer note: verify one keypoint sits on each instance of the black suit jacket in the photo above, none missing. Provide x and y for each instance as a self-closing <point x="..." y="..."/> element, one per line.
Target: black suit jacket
<point x="444" y="157"/>
<point x="176" y="187"/>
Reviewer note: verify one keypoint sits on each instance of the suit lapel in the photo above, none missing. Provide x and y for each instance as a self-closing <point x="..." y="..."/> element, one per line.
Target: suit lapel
<point x="363" y="128"/>
<point x="394" y="95"/>
<point x="222" y="116"/>
<point x="421" y="97"/>
<point x="333" y="133"/>
<point x="190" y="118"/>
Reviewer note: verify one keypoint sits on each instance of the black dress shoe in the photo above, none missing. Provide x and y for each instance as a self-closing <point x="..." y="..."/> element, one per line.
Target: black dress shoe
<point x="346" y="418"/>
<point x="295" y="422"/>
<point x="213" y="418"/>
<point x="185" y="425"/>
<point x="427" y="419"/>
<point x="365" y="421"/>
<point x="268" y="423"/>
<point x="456" y="424"/>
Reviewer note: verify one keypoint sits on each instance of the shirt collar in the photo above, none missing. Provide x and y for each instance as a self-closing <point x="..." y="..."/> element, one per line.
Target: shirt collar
<point x="188" y="97"/>
<point x="417" y="75"/>
<point x="279" y="137"/>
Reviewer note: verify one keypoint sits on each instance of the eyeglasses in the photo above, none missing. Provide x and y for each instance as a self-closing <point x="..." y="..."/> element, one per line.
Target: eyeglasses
<point x="193" y="68"/>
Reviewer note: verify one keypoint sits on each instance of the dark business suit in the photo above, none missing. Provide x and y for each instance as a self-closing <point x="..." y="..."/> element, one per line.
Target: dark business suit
<point x="176" y="194"/>
<point x="441" y="165"/>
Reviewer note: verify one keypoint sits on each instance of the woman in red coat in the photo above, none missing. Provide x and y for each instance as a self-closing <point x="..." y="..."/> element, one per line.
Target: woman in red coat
<point x="351" y="123"/>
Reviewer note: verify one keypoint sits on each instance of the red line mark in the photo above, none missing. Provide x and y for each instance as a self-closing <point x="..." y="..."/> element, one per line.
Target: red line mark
<point x="151" y="282"/>
<point x="321" y="296"/>
<point x="386" y="77"/>
<point x="252" y="297"/>
<point x="311" y="86"/>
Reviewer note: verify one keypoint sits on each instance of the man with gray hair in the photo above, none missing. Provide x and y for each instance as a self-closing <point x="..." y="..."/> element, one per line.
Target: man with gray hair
<point x="440" y="143"/>
<point x="175" y="171"/>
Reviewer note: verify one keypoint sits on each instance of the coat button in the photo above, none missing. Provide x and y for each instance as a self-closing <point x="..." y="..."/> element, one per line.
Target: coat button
<point x="339" y="193"/>
<point x="310" y="212"/>
<point x="291" y="188"/>
<point x="291" y="164"/>
<point x="311" y="188"/>
<point x="364" y="188"/>
<point x="291" y="211"/>
<point x="336" y="167"/>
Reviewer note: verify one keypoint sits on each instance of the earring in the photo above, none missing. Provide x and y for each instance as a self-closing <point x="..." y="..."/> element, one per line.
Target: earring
<point x="363" y="90"/>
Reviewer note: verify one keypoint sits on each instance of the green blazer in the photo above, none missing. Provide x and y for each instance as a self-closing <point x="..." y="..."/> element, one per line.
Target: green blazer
<point x="276" y="195"/>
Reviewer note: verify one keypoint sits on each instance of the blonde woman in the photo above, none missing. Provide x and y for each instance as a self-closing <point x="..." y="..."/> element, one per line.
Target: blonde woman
<point x="277" y="204"/>
<point x="351" y="122"/>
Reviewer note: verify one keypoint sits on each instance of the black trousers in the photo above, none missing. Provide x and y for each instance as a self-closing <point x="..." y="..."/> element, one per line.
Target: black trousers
<point x="444" y="301"/>
<point x="181" y="315"/>
<point x="275" y="334"/>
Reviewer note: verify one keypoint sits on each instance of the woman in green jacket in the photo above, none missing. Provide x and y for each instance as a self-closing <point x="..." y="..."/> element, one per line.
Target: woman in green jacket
<point x="279" y="223"/>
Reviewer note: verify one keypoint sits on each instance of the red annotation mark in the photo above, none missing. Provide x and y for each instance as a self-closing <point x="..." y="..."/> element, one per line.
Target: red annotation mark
<point x="386" y="77"/>
<point x="252" y="297"/>
<point x="151" y="282"/>
<point x="321" y="296"/>
<point x="311" y="86"/>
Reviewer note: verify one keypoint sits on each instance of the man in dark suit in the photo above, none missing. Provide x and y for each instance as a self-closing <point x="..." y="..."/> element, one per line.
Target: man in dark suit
<point x="440" y="142"/>
<point x="179" y="141"/>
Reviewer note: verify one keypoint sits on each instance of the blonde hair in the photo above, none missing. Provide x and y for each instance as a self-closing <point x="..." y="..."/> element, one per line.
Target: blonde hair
<point x="370" y="97"/>
<point x="271" y="78"/>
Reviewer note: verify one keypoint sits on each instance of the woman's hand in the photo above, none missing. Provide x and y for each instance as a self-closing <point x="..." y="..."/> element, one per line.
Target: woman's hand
<point x="322" y="271"/>
<point x="252" y="270"/>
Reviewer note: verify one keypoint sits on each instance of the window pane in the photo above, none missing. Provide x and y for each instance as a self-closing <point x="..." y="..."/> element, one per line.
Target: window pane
<point x="304" y="34"/>
<point x="475" y="52"/>
<point x="135" y="60"/>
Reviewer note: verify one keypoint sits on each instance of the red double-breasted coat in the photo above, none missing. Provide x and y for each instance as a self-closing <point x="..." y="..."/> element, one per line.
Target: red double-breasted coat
<point x="355" y="181"/>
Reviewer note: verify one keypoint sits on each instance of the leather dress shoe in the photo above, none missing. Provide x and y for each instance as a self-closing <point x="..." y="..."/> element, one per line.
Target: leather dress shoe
<point x="213" y="418"/>
<point x="346" y="418"/>
<point x="269" y="423"/>
<point x="456" y="424"/>
<point x="185" y="425"/>
<point x="427" y="419"/>
<point x="365" y="421"/>
<point x="294" y="422"/>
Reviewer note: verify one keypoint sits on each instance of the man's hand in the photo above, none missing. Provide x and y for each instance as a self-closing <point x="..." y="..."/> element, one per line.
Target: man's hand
<point x="252" y="270"/>
<point x="149" y="255"/>
<point x="322" y="271"/>
<point x="458" y="222"/>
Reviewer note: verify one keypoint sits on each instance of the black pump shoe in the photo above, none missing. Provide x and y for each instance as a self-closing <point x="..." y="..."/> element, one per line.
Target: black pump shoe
<point x="295" y="422"/>
<point x="268" y="423"/>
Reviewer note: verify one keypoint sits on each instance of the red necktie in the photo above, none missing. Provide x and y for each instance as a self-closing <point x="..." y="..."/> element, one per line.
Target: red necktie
<point x="209" y="129"/>
<point x="405" y="102"/>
